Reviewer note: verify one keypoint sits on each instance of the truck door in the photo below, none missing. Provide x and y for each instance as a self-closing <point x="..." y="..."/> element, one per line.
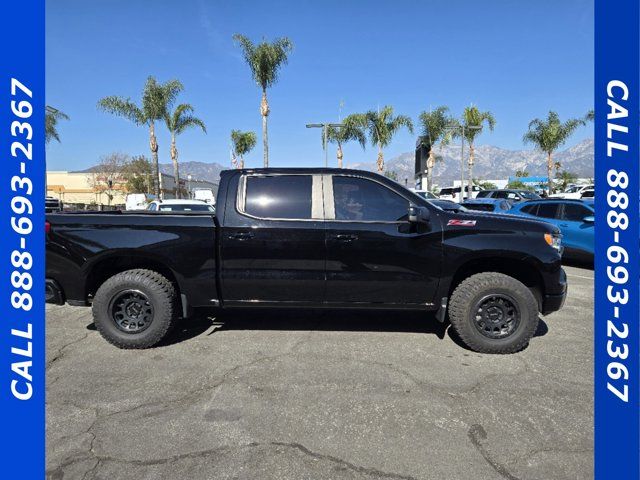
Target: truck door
<point x="272" y="240"/>
<point x="374" y="255"/>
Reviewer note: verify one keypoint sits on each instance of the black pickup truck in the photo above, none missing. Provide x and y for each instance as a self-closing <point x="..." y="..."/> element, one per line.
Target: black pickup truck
<point x="321" y="238"/>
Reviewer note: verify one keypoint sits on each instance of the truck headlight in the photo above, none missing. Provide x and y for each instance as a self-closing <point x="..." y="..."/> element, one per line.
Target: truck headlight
<point x="554" y="241"/>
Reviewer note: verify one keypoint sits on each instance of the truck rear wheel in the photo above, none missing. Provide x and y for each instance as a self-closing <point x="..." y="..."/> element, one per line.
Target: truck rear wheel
<point x="493" y="313"/>
<point x="135" y="308"/>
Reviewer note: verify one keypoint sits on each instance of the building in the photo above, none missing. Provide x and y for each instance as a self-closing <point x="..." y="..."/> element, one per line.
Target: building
<point x="88" y="188"/>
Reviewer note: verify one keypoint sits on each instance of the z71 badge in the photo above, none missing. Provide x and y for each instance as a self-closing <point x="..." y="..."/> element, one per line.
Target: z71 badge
<point x="462" y="223"/>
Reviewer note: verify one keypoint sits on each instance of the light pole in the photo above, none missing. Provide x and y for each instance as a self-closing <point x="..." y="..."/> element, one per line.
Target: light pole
<point x="325" y="130"/>
<point x="462" y="128"/>
<point x="189" y="185"/>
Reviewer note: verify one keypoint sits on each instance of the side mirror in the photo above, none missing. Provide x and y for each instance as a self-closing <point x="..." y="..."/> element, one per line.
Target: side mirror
<point x="589" y="219"/>
<point x="418" y="214"/>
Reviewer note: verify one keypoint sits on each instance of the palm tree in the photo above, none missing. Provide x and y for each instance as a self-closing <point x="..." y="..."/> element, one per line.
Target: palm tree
<point x="472" y="118"/>
<point x="565" y="179"/>
<point x="51" y="118"/>
<point x="351" y="130"/>
<point x="434" y="128"/>
<point x="264" y="60"/>
<point x="382" y="125"/>
<point x="549" y="135"/>
<point x="243" y="143"/>
<point x="157" y="99"/>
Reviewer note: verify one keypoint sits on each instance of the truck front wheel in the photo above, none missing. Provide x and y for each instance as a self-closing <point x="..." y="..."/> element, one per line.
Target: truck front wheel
<point x="135" y="309"/>
<point x="493" y="313"/>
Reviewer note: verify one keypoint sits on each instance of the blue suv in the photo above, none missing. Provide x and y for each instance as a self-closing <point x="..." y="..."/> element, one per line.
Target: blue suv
<point x="573" y="217"/>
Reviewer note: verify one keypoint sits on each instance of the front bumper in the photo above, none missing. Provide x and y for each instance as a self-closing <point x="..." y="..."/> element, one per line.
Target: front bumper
<point x="553" y="303"/>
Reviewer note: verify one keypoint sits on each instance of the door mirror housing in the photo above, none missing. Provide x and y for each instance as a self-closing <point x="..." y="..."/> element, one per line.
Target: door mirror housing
<point x="589" y="219"/>
<point x="419" y="214"/>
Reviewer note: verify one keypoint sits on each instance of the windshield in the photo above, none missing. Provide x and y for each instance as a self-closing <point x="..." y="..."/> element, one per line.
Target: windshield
<point x="529" y="195"/>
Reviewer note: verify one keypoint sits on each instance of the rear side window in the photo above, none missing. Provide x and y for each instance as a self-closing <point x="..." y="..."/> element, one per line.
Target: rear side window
<point x="575" y="213"/>
<point x="279" y="196"/>
<point x="484" y="207"/>
<point x="530" y="209"/>
<point x="548" y="210"/>
<point x="359" y="199"/>
<point x="484" y="194"/>
<point x="505" y="206"/>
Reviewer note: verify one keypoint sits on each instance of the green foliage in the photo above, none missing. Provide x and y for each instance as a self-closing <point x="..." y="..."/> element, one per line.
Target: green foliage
<point x="51" y="118"/>
<point x="352" y="130"/>
<point x="522" y="173"/>
<point x="517" y="184"/>
<point x="391" y="174"/>
<point x="473" y="117"/>
<point x="181" y="119"/>
<point x="138" y="175"/>
<point x="565" y="178"/>
<point x="551" y="133"/>
<point x="434" y="125"/>
<point x="265" y="59"/>
<point x="243" y="142"/>
<point x="382" y="125"/>
<point x="157" y="99"/>
<point x="484" y="185"/>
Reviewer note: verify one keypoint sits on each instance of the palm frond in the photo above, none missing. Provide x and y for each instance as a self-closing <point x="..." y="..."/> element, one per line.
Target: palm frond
<point x="243" y="142"/>
<point x="265" y="59"/>
<point x="123" y="107"/>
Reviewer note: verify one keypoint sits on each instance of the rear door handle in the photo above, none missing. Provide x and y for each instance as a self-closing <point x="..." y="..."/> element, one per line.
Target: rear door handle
<point x="344" y="237"/>
<point x="240" y="236"/>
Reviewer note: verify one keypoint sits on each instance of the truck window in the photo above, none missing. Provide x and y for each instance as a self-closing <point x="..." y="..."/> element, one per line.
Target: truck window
<point x="359" y="199"/>
<point x="279" y="196"/>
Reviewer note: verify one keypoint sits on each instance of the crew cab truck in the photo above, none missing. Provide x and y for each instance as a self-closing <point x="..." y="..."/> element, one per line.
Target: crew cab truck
<point x="322" y="238"/>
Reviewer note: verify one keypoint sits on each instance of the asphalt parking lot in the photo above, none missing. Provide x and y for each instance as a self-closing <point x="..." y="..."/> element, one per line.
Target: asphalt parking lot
<point x="321" y="395"/>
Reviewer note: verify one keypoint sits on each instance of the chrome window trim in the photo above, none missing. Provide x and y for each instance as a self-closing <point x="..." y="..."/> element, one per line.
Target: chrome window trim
<point x="316" y="195"/>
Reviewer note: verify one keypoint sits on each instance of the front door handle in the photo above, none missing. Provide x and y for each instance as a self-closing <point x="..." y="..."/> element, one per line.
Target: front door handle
<point x="241" y="236"/>
<point x="344" y="237"/>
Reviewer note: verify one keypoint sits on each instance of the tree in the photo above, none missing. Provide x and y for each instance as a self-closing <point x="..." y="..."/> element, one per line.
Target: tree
<point x="550" y="134"/>
<point x="391" y="174"/>
<point x="242" y="143"/>
<point x="264" y="60"/>
<point x="565" y="178"/>
<point x="352" y="129"/>
<point x="177" y="122"/>
<point x="484" y="184"/>
<point x="518" y="185"/>
<point x="381" y="126"/>
<point x="51" y="118"/>
<point x="434" y="128"/>
<point x="108" y="174"/>
<point x="522" y="173"/>
<point x="137" y="173"/>
<point x="473" y="117"/>
<point x="157" y="99"/>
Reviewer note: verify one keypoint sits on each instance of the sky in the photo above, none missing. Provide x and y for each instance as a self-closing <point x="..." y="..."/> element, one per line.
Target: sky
<point x="517" y="59"/>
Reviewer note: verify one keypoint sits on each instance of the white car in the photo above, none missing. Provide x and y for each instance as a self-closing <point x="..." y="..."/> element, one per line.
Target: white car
<point x="180" y="206"/>
<point x="138" y="201"/>
<point x="453" y="193"/>
<point x="204" y="194"/>
<point x="573" y="193"/>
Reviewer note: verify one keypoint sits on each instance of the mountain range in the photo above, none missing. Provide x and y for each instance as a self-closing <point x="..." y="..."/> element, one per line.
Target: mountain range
<point x="491" y="163"/>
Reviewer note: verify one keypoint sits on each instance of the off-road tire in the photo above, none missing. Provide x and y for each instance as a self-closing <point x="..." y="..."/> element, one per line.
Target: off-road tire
<point x="471" y="290"/>
<point x="160" y="293"/>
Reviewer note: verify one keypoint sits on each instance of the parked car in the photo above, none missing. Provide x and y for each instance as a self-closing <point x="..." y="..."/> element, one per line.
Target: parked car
<point x="573" y="193"/>
<point x="574" y="218"/>
<point x="423" y="193"/>
<point x="52" y="204"/>
<point x="588" y="193"/>
<point x="310" y="238"/>
<point x="453" y="193"/>
<point x="204" y="194"/>
<point x="138" y="201"/>
<point x="499" y="205"/>
<point x="177" y="205"/>
<point x="512" y="195"/>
